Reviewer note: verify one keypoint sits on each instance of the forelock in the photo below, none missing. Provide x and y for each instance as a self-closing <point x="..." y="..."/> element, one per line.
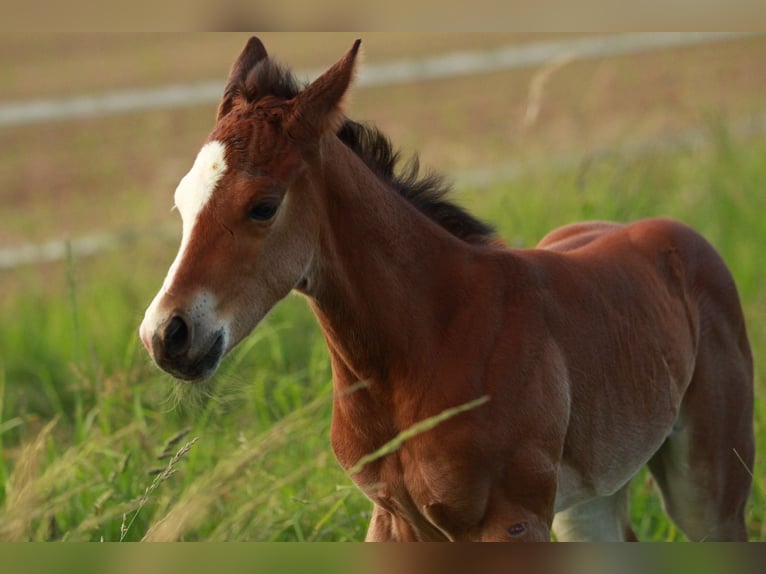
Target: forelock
<point x="268" y="78"/>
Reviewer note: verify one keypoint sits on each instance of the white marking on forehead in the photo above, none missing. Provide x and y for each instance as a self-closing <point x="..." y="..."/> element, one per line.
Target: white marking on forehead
<point x="192" y="193"/>
<point x="196" y="187"/>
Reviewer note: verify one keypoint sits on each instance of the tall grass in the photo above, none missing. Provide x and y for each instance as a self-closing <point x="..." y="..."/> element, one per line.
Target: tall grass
<point x="98" y="445"/>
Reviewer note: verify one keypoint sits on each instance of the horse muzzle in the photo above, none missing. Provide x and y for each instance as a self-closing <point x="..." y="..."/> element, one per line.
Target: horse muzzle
<point x="184" y="348"/>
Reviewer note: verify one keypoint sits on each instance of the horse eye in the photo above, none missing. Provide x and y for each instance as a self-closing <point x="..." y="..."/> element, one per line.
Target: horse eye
<point x="263" y="211"/>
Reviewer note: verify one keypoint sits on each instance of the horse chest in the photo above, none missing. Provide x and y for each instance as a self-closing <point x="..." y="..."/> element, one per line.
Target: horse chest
<point x="427" y="491"/>
<point x="427" y="499"/>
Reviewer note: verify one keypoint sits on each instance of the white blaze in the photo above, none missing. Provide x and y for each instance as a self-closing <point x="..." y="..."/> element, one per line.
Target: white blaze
<point x="197" y="186"/>
<point x="194" y="191"/>
<point x="191" y="196"/>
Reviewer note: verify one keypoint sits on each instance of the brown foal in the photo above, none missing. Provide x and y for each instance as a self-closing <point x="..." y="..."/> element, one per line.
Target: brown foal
<point x="606" y="348"/>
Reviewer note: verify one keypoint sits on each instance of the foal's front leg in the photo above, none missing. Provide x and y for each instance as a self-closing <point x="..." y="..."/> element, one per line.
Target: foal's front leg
<point x="381" y="526"/>
<point x="385" y="528"/>
<point x="520" y="510"/>
<point x="517" y="526"/>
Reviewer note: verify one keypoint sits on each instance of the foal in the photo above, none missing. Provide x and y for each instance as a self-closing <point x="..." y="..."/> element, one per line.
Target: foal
<point x="608" y="347"/>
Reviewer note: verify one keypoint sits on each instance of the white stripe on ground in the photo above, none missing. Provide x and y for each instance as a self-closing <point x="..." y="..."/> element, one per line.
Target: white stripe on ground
<point x="402" y="71"/>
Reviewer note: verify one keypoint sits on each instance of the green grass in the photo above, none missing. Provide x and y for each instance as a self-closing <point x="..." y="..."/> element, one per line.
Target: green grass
<point x="96" y="444"/>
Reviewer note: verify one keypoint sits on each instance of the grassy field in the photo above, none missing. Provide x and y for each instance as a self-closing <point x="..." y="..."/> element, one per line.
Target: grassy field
<point x="98" y="445"/>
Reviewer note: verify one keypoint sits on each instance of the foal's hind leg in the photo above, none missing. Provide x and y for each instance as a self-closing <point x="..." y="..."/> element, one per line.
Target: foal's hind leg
<point x="704" y="467"/>
<point x="604" y="519"/>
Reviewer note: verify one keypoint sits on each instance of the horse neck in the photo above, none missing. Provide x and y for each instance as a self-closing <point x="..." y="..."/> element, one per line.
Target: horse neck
<point x="386" y="279"/>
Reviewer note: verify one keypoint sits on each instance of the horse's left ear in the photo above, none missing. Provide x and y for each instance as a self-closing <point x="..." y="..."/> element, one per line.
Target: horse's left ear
<point x="319" y="108"/>
<point x="253" y="52"/>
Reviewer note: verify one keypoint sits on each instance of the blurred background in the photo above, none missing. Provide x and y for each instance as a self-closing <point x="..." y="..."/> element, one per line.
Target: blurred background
<point x="535" y="131"/>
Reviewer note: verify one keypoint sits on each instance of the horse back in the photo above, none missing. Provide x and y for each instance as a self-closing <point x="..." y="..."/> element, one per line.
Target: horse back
<point x="683" y="260"/>
<point x="658" y="266"/>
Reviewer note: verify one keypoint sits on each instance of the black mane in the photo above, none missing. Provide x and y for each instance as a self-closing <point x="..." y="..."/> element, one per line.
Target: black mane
<point x="427" y="193"/>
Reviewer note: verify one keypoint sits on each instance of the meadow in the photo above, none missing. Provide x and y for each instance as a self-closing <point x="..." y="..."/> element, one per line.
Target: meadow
<point x="99" y="445"/>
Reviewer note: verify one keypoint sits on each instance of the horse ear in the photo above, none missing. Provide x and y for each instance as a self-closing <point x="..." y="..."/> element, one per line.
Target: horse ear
<point x="253" y="53"/>
<point x="319" y="108"/>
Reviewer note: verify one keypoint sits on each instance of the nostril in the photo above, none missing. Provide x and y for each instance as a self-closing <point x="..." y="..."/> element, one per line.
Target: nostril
<point x="177" y="337"/>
